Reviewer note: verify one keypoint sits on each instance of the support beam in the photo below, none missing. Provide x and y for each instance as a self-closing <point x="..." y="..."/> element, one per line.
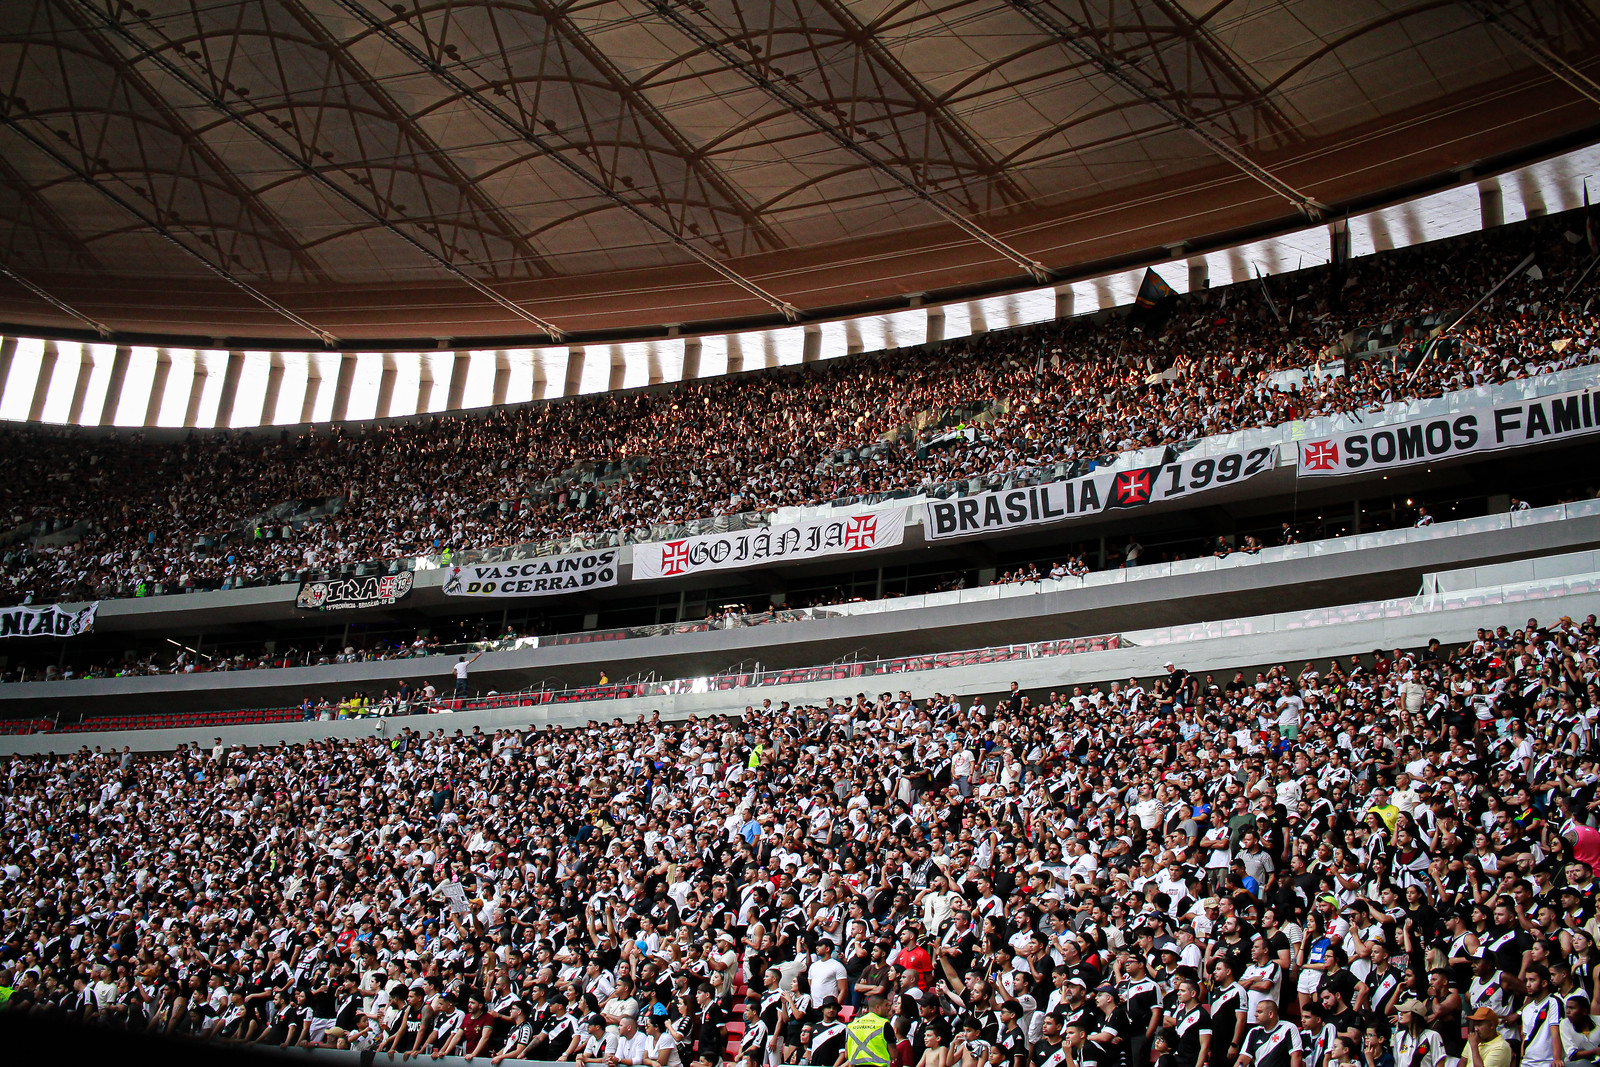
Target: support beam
<point x="574" y="382"/>
<point x="464" y="91"/>
<point x="80" y="388"/>
<point x="231" y="372"/>
<point x="151" y="223"/>
<point x="935" y="330"/>
<point x="144" y="51"/>
<point x="113" y="397"/>
<point x="1580" y="82"/>
<point x="657" y="370"/>
<point x="811" y="347"/>
<point x="197" y="391"/>
<point x="269" y="401"/>
<point x="691" y="359"/>
<point x="386" y="379"/>
<point x="1199" y="275"/>
<point x="460" y="362"/>
<point x="342" y="385"/>
<point x="1491" y="206"/>
<point x="158" y="388"/>
<point x="715" y="42"/>
<point x="41" y="384"/>
<point x="619" y="369"/>
<point x="1081" y="40"/>
<point x="502" y="378"/>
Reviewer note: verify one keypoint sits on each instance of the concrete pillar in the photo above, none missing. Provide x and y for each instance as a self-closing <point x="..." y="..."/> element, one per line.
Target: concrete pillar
<point x="691" y="359"/>
<point x="975" y="317"/>
<point x="342" y="385"/>
<point x="458" y="381"/>
<point x="935" y="325"/>
<point x="41" y="384"/>
<point x="1066" y="297"/>
<point x="424" y="382"/>
<point x="657" y="372"/>
<point x="1339" y="240"/>
<point x="8" y="352"/>
<point x="502" y="378"/>
<point x="119" y="374"/>
<point x="811" y="350"/>
<point x="269" y="401"/>
<point x="619" y="369"/>
<point x="540" y="383"/>
<point x="158" y="387"/>
<point x="1199" y="275"/>
<point x="574" y="382"/>
<point x="232" y="370"/>
<point x="80" y="388"/>
<point x="308" y="406"/>
<point x="196" y="390"/>
<point x="386" y="379"/>
<point x="1491" y="206"/>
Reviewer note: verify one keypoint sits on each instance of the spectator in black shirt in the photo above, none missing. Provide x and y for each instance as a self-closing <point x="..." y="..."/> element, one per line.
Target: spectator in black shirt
<point x="709" y="1029"/>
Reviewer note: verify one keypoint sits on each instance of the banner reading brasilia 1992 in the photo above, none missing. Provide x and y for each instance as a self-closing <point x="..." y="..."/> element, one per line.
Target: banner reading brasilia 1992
<point x="1077" y="498"/>
<point x="1479" y="428"/>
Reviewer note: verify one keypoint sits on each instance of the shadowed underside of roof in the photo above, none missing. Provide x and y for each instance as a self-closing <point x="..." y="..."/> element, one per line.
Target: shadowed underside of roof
<point x="285" y="170"/>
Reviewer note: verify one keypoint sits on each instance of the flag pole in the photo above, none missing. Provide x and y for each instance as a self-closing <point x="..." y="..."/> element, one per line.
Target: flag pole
<point x="1434" y="344"/>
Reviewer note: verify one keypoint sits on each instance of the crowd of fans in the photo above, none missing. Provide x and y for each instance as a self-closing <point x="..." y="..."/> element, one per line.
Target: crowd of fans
<point x="1063" y="392"/>
<point x="1383" y="860"/>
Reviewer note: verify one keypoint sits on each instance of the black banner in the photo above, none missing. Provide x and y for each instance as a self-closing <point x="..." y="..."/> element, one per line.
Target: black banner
<point x="345" y="594"/>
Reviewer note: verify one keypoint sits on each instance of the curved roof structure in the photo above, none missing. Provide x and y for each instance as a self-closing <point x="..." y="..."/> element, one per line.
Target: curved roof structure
<point x="365" y="172"/>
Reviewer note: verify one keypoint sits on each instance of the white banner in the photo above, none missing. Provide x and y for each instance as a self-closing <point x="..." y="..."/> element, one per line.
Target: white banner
<point x="1010" y="509"/>
<point x="771" y="544"/>
<point x="539" y="576"/>
<point x="1484" y="427"/>
<point x="52" y="620"/>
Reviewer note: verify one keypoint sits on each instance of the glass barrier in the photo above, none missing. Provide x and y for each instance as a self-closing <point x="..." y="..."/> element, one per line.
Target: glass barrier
<point x="858" y="671"/>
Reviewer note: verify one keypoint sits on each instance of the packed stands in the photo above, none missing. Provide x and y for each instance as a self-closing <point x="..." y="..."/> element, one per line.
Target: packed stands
<point x="1381" y="852"/>
<point x="119" y="515"/>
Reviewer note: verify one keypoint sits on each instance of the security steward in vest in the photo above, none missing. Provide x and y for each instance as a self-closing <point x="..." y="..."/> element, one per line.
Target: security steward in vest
<point x="868" y="1040"/>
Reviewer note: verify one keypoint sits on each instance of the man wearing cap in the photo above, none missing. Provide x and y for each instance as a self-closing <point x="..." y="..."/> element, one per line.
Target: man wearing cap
<point x="868" y="1042"/>
<point x="827" y="978"/>
<point x="1143" y="1000"/>
<point x="599" y="1044"/>
<point x="708" y="1028"/>
<point x="827" y="1036"/>
<point x="1485" y="1045"/>
<point x="517" y="1038"/>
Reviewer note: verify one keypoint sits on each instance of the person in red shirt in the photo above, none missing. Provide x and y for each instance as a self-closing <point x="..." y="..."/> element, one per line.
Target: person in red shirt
<point x="914" y="957"/>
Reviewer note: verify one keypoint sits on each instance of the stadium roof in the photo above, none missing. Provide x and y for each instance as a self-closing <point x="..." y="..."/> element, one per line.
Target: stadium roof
<point x="280" y="170"/>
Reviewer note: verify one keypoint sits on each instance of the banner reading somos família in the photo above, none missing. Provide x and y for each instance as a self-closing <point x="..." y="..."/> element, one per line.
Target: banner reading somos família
<point x="1479" y="428"/>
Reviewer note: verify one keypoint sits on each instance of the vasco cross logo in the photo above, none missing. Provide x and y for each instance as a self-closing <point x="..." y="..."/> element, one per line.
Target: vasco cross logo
<point x="1132" y="487"/>
<point x="674" y="557"/>
<point x="861" y="533"/>
<point x="1322" y="456"/>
